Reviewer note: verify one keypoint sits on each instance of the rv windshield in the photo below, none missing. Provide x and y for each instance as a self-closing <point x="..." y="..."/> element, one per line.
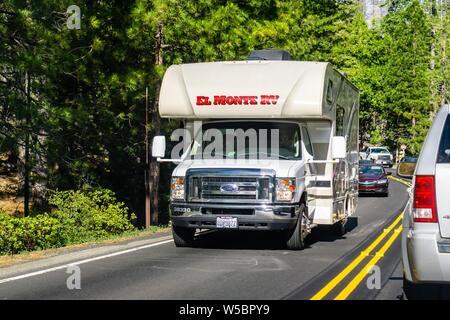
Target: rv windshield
<point x="247" y="140"/>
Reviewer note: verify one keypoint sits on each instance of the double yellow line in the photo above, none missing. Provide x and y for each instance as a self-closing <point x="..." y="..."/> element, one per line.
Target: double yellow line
<point x="401" y="181"/>
<point x="354" y="283"/>
<point x="362" y="274"/>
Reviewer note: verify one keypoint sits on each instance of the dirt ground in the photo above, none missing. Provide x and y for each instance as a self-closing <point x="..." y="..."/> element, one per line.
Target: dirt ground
<point x="10" y="202"/>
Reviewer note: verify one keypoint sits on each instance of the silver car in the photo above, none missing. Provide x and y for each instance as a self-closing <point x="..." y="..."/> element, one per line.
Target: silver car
<point x="426" y="222"/>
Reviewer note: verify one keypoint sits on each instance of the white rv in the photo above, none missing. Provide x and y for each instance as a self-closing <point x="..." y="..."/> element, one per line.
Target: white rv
<point x="296" y="165"/>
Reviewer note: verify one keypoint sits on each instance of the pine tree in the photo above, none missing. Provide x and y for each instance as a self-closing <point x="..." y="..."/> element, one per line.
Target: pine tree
<point x="407" y="83"/>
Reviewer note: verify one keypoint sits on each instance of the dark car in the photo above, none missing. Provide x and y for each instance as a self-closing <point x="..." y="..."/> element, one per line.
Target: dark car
<point x="373" y="179"/>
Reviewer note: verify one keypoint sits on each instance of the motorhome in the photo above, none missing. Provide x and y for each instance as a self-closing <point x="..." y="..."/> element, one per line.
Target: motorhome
<point x="270" y="144"/>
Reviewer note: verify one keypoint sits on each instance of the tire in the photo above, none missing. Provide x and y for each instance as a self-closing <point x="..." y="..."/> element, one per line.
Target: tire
<point x="339" y="228"/>
<point x="295" y="239"/>
<point x="183" y="237"/>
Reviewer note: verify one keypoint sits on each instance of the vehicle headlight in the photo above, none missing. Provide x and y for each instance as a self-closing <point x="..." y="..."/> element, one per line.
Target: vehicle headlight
<point x="177" y="188"/>
<point x="382" y="181"/>
<point x="285" y="189"/>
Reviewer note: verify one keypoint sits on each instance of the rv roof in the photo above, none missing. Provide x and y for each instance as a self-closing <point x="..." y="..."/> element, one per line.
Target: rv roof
<point x="269" y="54"/>
<point x="247" y="89"/>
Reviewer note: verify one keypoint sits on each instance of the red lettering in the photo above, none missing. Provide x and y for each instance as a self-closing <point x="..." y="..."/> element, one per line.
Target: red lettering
<point x="229" y="100"/>
<point x="265" y="99"/>
<point x="219" y="100"/>
<point x="238" y="100"/>
<point x="202" y="100"/>
<point x="274" y="99"/>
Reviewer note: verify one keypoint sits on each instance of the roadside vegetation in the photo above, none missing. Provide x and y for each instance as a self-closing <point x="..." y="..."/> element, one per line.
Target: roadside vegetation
<point x="73" y="100"/>
<point x="77" y="217"/>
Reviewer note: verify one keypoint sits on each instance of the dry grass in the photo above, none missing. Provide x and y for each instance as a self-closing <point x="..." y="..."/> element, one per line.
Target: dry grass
<point x="8" y="260"/>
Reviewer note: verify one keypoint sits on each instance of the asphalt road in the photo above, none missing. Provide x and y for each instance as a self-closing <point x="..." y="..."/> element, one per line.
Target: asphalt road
<point x="227" y="265"/>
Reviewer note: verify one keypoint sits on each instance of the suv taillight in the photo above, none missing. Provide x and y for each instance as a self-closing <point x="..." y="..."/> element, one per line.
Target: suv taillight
<point x="424" y="207"/>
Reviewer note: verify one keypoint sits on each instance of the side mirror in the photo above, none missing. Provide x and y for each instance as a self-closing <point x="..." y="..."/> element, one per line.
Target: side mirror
<point x="338" y="148"/>
<point x="158" y="146"/>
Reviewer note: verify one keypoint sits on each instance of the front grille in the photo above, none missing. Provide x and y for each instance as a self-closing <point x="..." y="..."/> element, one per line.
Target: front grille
<point x="222" y="211"/>
<point x="384" y="158"/>
<point x="228" y="188"/>
<point x="229" y="179"/>
<point x="368" y="182"/>
<point x="228" y="196"/>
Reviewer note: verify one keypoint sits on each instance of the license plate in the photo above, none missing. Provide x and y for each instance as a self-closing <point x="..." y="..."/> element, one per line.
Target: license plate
<point x="384" y="162"/>
<point x="226" y="223"/>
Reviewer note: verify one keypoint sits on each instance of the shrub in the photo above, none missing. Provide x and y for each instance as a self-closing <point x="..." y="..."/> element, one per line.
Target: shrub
<point x="30" y="233"/>
<point x="90" y="215"/>
<point x="78" y="217"/>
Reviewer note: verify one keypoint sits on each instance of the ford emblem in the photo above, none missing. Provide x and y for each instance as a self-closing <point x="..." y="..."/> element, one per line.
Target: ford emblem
<point x="229" y="188"/>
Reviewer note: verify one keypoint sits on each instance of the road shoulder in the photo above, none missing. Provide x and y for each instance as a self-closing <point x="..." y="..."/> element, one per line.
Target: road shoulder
<point x="30" y="262"/>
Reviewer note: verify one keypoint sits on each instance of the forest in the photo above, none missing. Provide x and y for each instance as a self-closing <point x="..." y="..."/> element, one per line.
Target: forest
<point x="73" y="96"/>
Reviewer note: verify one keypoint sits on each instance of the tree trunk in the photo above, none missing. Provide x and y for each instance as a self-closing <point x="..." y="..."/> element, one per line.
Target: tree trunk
<point x="26" y="201"/>
<point x="155" y="130"/>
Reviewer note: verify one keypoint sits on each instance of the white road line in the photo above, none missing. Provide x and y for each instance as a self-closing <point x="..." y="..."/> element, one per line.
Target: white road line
<point x="32" y="274"/>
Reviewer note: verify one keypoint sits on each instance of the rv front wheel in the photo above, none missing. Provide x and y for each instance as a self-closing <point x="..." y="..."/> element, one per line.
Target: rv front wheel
<point x="339" y="228"/>
<point x="183" y="237"/>
<point x="295" y="239"/>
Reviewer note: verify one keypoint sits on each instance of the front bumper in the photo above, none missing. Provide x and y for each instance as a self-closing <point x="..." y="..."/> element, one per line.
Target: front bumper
<point x="385" y="163"/>
<point x="374" y="188"/>
<point x="249" y="217"/>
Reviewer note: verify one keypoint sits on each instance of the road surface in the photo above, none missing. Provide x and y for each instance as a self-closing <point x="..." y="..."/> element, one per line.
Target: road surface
<point x="230" y="266"/>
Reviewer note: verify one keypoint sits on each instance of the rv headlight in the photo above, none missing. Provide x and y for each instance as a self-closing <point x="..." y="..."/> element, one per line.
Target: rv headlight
<point x="285" y="189"/>
<point x="177" y="188"/>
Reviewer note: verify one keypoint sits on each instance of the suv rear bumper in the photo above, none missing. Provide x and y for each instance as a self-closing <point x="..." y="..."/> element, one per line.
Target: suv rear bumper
<point x="249" y="217"/>
<point x="427" y="255"/>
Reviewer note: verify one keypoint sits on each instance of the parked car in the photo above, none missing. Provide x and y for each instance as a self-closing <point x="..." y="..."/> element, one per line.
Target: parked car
<point x="426" y="221"/>
<point x="379" y="155"/>
<point x="373" y="179"/>
<point x="406" y="167"/>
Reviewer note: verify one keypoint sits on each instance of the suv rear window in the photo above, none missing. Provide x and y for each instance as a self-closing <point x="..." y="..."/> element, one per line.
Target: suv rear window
<point x="444" y="146"/>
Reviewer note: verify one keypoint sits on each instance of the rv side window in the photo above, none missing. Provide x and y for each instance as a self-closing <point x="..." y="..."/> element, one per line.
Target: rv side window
<point x="330" y="91"/>
<point x="340" y="114"/>
<point x="307" y="141"/>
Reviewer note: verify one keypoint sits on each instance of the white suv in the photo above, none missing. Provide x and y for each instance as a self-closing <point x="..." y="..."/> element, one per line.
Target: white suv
<point x="426" y="222"/>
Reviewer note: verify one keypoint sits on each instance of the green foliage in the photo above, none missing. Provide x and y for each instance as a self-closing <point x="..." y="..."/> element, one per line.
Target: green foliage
<point x="406" y="81"/>
<point x="85" y="117"/>
<point x="90" y="215"/>
<point x="29" y="233"/>
<point x="78" y="217"/>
